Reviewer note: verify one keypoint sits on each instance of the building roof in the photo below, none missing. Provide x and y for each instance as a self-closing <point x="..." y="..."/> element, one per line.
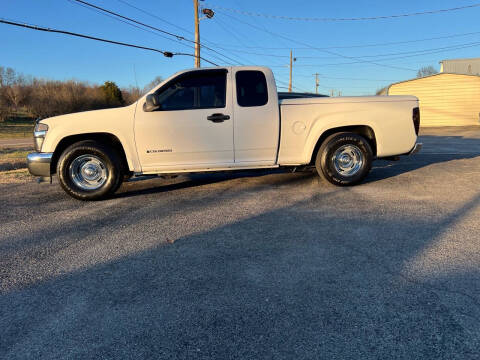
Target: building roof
<point x="429" y="76"/>
<point x="465" y="59"/>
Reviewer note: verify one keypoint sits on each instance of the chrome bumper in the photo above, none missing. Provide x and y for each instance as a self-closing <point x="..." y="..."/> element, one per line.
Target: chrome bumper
<point x="416" y="148"/>
<point x="39" y="164"/>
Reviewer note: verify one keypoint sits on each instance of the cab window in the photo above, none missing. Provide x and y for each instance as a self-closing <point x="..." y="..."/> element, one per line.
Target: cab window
<point x="251" y="88"/>
<point x="202" y="89"/>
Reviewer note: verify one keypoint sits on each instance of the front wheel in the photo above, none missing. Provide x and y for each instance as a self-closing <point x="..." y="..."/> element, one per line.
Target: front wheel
<point x="89" y="170"/>
<point x="344" y="159"/>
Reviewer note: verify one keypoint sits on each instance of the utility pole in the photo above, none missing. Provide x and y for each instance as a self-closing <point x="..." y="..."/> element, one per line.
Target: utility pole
<point x="197" y="34"/>
<point x="316" y="83"/>
<point x="292" y="59"/>
<point x="291" y="65"/>
<point x="209" y="13"/>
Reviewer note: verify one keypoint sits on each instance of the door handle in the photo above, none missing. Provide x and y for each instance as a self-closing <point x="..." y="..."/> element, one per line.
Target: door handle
<point x="218" y="118"/>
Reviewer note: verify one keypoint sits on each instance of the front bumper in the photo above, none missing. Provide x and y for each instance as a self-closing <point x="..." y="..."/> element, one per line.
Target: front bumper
<point x="416" y="148"/>
<point x="39" y="164"/>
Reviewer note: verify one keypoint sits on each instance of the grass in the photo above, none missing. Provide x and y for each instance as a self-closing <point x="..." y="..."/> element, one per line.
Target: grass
<point x="16" y="128"/>
<point x="11" y="159"/>
<point x="13" y="166"/>
<point x="7" y="153"/>
<point x="15" y="176"/>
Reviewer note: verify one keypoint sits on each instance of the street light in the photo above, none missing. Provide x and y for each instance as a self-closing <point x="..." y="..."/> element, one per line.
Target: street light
<point x="208" y="13"/>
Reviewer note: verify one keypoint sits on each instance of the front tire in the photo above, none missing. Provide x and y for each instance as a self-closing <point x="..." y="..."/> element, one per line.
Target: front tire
<point x="344" y="159"/>
<point x="88" y="170"/>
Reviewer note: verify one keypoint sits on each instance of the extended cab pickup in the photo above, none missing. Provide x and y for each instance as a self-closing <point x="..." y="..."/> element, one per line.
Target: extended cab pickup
<point x="217" y="119"/>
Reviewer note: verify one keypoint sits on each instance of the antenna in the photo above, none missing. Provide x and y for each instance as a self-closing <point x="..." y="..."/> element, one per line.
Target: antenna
<point x="135" y="76"/>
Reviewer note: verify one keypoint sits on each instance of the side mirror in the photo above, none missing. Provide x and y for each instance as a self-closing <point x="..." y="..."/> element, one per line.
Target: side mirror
<point x="151" y="103"/>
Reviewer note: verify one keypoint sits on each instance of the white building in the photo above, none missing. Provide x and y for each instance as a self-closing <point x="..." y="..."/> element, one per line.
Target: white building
<point x="461" y="66"/>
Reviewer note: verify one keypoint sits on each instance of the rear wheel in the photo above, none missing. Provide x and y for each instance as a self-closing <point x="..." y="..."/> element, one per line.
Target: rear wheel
<point x="344" y="159"/>
<point x="88" y="170"/>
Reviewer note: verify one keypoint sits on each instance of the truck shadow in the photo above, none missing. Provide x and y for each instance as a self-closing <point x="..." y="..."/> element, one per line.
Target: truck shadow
<point x="157" y="185"/>
<point x="436" y="150"/>
<point x="450" y="148"/>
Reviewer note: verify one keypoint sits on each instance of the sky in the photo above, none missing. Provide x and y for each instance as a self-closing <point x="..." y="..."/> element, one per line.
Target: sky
<point x="352" y="57"/>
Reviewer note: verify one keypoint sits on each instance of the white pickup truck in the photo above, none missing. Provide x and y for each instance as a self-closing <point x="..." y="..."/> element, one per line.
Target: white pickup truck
<point x="219" y="119"/>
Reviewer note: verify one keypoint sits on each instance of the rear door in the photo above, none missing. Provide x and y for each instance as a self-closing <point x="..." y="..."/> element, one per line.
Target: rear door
<point x="257" y="122"/>
<point x="193" y="129"/>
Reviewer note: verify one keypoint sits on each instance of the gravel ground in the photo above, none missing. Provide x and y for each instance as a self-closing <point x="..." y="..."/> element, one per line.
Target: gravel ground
<point x="251" y="265"/>
<point x="16" y="142"/>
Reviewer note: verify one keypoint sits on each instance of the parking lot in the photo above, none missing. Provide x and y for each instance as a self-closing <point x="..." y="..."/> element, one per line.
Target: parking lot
<point x="251" y="265"/>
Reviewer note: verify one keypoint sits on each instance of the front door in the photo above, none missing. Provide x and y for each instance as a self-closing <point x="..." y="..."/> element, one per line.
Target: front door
<point x="193" y="127"/>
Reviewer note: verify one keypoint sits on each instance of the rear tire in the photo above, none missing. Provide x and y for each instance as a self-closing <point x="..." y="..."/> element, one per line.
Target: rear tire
<point x="88" y="170"/>
<point x="344" y="159"/>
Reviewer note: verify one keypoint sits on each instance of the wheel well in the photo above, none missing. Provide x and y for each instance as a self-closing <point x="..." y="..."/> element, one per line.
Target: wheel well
<point x="363" y="130"/>
<point x="103" y="138"/>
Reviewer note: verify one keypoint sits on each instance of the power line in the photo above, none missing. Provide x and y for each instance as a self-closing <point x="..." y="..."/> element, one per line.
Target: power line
<point x="142" y="28"/>
<point x="314" y="48"/>
<point x="286" y="84"/>
<point x="130" y="24"/>
<point x="39" y="28"/>
<point x="406" y="41"/>
<point x="356" y="46"/>
<point x="178" y="37"/>
<point x="172" y="24"/>
<point x="394" y="58"/>
<point x="228" y="28"/>
<point x="383" y="17"/>
<point x="420" y="52"/>
<point x="154" y="16"/>
<point x="446" y="48"/>
<point x="345" y="78"/>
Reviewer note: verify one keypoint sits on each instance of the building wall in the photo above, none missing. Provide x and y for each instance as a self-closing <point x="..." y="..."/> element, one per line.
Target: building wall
<point x="461" y="66"/>
<point x="445" y="99"/>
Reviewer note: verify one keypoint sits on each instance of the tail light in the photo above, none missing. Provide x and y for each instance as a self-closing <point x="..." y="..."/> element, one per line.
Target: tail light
<point x="416" y="119"/>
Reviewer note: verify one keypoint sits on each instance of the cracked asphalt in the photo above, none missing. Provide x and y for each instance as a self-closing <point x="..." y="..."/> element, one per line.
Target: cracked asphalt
<point x="251" y="265"/>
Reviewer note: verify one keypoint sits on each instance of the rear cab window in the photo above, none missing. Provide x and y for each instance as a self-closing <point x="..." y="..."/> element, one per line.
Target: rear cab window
<point x="251" y="88"/>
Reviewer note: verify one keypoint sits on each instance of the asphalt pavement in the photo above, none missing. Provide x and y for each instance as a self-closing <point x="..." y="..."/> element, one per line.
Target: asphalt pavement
<point x="253" y="265"/>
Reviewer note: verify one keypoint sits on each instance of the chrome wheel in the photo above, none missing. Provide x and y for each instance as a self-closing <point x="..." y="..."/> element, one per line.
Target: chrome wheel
<point x="348" y="160"/>
<point x="88" y="172"/>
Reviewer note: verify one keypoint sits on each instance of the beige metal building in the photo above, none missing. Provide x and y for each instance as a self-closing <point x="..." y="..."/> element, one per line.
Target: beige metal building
<point x="461" y="66"/>
<point x="445" y="99"/>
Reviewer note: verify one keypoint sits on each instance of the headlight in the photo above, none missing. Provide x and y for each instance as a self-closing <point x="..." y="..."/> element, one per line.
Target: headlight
<point x="39" y="134"/>
<point x="41" y="127"/>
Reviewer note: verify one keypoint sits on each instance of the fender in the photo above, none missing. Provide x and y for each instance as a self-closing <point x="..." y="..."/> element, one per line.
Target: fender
<point x="319" y="129"/>
<point x="117" y="122"/>
<point x="304" y="121"/>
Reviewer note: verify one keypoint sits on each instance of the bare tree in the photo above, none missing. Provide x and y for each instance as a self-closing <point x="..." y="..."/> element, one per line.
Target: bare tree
<point x="152" y="84"/>
<point x="382" y="91"/>
<point x="13" y="91"/>
<point x="426" y="71"/>
<point x="131" y="94"/>
<point x="3" y="106"/>
<point x="44" y="98"/>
